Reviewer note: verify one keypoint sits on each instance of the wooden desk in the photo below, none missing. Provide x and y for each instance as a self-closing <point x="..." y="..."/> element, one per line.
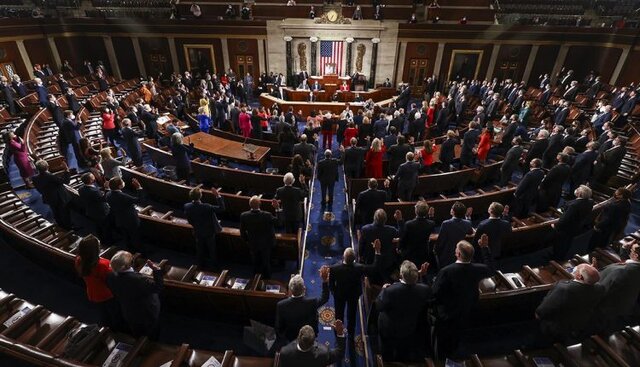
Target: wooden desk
<point x="324" y="95"/>
<point x="231" y="150"/>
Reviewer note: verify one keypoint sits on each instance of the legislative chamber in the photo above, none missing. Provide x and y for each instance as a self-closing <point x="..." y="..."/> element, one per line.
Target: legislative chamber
<point x="287" y="183"/>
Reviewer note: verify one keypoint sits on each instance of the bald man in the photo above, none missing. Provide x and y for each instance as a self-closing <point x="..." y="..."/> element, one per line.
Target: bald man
<point x="257" y="228"/>
<point x="566" y="313"/>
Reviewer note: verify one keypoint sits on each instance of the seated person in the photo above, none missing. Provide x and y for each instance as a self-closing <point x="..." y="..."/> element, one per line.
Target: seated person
<point x="316" y="86"/>
<point x="304" y="85"/>
<point x="344" y="87"/>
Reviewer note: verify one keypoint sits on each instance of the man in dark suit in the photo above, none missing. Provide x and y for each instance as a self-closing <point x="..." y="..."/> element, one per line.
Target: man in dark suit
<point x="8" y="95"/>
<point x="131" y="143"/>
<point x="298" y="310"/>
<point x="451" y="232"/>
<point x="354" y="159"/>
<point x="55" y="110"/>
<point x="612" y="220"/>
<point x="583" y="165"/>
<point x="571" y="93"/>
<point x="18" y="86"/>
<point x="555" y="146"/>
<point x="397" y="154"/>
<point x="550" y="189"/>
<point x="137" y="294"/>
<point x="511" y="161"/>
<point x="95" y="205"/>
<point x="53" y="192"/>
<point x="562" y="313"/>
<point x="305" y="351"/>
<point x="456" y="292"/>
<point x="402" y="310"/>
<point x="407" y="177"/>
<point x="496" y="227"/>
<point x="608" y="163"/>
<point x="538" y="147"/>
<point x="415" y="233"/>
<point x="70" y="135"/>
<point x="306" y="150"/>
<point x="387" y="235"/>
<point x="561" y="113"/>
<point x="123" y="210"/>
<point x="545" y="95"/>
<point x="328" y="175"/>
<point x="605" y="116"/>
<point x="290" y="200"/>
<point x="345" y="283"/>
<point x="492" y="107"/>
<point x="575" y="220"/>
<point x="41" y="91"/>
<point x="257" y="228"/>
<point x="369" y="201"/>
<point x="527" y="190"/>
<point x="150" y="118"/>
<point x="469" y="141"/>
<point x="448" y="150"/>
<point x="203" y="219"/>
<point x="621" y="282"/>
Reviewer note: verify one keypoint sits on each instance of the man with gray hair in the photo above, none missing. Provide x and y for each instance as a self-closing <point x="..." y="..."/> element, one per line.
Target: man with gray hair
<point x="137" y="294"/>
<point x="257" y="228"/>
<point x="53" y="192"/>
<point x="575" y="220"/>
<point x="386" y="235"/>
<point x="407" y="177"/>
<point x="567" y="311"/>
<point x="298" y="310"/>
<point x="328" y="175"/>
<point x="305" y="351"/>
<point x="305" y="149"/>
<point x="289" y="199"/>
<point x="401" y="306"/>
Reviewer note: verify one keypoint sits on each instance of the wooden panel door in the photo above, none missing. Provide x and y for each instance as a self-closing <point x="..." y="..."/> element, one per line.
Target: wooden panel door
<point x="417" y="75"/>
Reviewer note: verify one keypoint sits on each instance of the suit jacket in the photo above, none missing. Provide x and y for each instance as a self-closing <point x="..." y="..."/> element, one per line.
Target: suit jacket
<point x="295" y="312"/>
<point x="414" y="239"/>
<point x="555" y="146"/>
<point x="94" y="202"/>
<point x="386" y="234"/>
<point x="609" y="161"/>
<point x="20" y="88"/>
<point x="544" y="97"/>
<point x="345" y="281"/>
<point x="328" y="171"/>
<point x="43" y="95"/>
<point x="368" y="202"/>
<point x="509" y="133"/>
<point x="452" y="231"/>
<point x="512" y="158"/>
<point x="132" y="144"/>
<point x="407" y="174"/>
<point x="400" y="306"/>
<point x="257" y="228"/>
<point x="354" y="158"/>
<point x="123" y="208"/>
<point x="138" y="296"/>
<point x="397" y="155"/>
<point x="527" y="189"/>
<point x="583" y="165"/>
<point x="202" y="217"/>
<point x="469" y="141"/>
<point x="305" y="150"/>
<point x="319" y="356"/>
<point x="563" y="312"/>
<point x="570" y="94"/>
<point x="456" y="289"/>
<point x="52" y="189"/>
<point x="537" y="149"/>
<point x="447" y="151"/>
<point x="496" y="229"/>
<point x="560" y="116"/>
<point x="291" y="198"/>
<point x="552" y="183"/>
<point x="614" y="216"/>
<point x="621" y="284"/>
<point x="56" y="113"/>
<point x="576" y="217"/>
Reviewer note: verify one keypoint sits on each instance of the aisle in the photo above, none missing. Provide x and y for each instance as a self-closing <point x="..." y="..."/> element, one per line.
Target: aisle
<point x="328" y="235"/>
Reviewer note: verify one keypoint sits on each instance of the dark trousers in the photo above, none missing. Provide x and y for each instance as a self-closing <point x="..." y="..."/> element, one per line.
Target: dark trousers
<point x="262" y="262"/>
<point x="206" y="245"/>
<point x="62" y="215"/>
<point x="505" y="176"/>
<point x="110" y="135"/>
<point x="561" y="245"/>
<point x="110" y="315"/>
<point x="327" y="139"/>
<point x="351" y="304"/>
<point x="405" y="192"/>
<point x="352" y="172"/>
<point x="291" y="226"/>
<point x="447" y="337"/>
<point x="324" y="188"/>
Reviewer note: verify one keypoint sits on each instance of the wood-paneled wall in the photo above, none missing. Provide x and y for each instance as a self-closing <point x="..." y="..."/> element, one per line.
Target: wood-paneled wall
<point x="39" y="51"/>
<point x="79" y="49"/>
<point x="583" y="59"/>
<point x="125" y="57"/>
<point x="9" y="53"/>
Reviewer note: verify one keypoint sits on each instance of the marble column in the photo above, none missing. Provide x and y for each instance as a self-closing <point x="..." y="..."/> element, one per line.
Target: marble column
<point x="562" y="56"/>
<point x="174" y="54"/>
<point x="623" y="59"/>
<point x="111" y="54"/>
<point x="225" y="54"/>
<point x="314" y="55"/>
<point x="492" y="62"/>
<point x="532" y="59"/>
<point x="374" y="62"/>
<point x="54" y="52"/>
<point x="25" y="58"/>
<point x="287" y="40"/>
<point x="349" y="42"/>
<point x="138" y="53"/>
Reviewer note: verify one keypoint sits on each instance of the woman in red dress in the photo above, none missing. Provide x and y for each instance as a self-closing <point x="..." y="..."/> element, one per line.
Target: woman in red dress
<point x="94" y="271"/>
<point x="350" y="132"/>
<point x="484" y="145"/>
<point x="431" y="115"/>
<point x="17" y="148"/>
<point x="426" y="156"/>
<point x="374" y="159"/>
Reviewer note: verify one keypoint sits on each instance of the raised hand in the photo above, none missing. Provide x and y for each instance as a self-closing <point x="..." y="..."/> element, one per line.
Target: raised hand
<point x="377" y="245"/>
<point x="397" y="215"/>
<point x="152" y="265"/>
<point x="324" y="273"/>
<point x="135" y="184"/>
<point x="483" y="242"/>
<point x="432" y="212"/>
<point x="469" y="212"/>
<point x="338" y="326"/>
<point x="215" y="192"/>
<point x="424" y="268"/>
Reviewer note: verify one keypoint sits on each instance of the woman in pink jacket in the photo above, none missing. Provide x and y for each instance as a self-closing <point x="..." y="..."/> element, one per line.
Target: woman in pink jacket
<point x="244" y="121"/>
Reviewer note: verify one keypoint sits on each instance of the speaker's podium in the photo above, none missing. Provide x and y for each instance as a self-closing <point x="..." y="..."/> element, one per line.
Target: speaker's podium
<point x="331" y="82"/>
<point x="359" y="82"/>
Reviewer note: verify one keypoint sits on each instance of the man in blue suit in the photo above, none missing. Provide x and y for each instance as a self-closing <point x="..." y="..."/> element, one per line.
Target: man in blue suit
<point x="257" y="228"/>
<point x="95" y="205"/>
<point x="379" y="230"/>
<point x="527" y="190"/>
<point x="123" y="210"/>
<point x="452" y="231"/>
<point x="496" y="227"/>
<point x="407" y="177"/>
<point x="203" y="219"/>
<point x="43" y="94"/>
<point x="415" y="233"/>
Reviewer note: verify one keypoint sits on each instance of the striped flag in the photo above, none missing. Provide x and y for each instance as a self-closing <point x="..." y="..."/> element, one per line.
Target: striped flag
<point x="331" y="53"/>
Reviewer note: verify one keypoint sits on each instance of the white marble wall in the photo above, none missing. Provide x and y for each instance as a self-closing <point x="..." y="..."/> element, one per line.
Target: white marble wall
<point x="362" y="31"/>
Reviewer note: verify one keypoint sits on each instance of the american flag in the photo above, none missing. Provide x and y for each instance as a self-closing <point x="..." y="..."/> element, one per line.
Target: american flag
<point x="331" y="53"/>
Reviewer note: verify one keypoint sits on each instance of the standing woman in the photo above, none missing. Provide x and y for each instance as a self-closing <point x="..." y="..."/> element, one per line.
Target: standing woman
<point x="431" y="119"/>
<point x="256" y="124"/>
<point x="204" y="120"/>
<point x="484" y="145"/>
<point x="180" y="153"/>
<point x="286" y="140"/>
<point x="94" y="270"/>
<point x="365" y="131"/>
<point x="264" y="122"/>
<point x="374" y="159"/>
<point x="18" y="149"/>
<point x="109" y="125"/>
<point x="350" y="132"/>
<point x="426" y="156"/>
<point x="244" y="120"/>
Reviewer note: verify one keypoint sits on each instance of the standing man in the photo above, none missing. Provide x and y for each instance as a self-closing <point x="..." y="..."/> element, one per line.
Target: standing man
<point x="527" y="190"/>
<point x="203" y="219"/>
<point x="452" y="231"/>
<point x="328" y="175"/>
<point x="407" y="177"/>
<point x="123" y="210"/>
<point x="415" y="233"/>
<point x="95" y="205"/>
<point x="369" y="201"/>
<point x="53" y="192"/>
<point x="71" y="136"/>
<point x="290" y="199"/>
<point x="354" y="159"/>
<point x="511" y="161"/>
<point x="496" y="228"/>
<point x="574" y="221"/>
<point x="257" y="228"/>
